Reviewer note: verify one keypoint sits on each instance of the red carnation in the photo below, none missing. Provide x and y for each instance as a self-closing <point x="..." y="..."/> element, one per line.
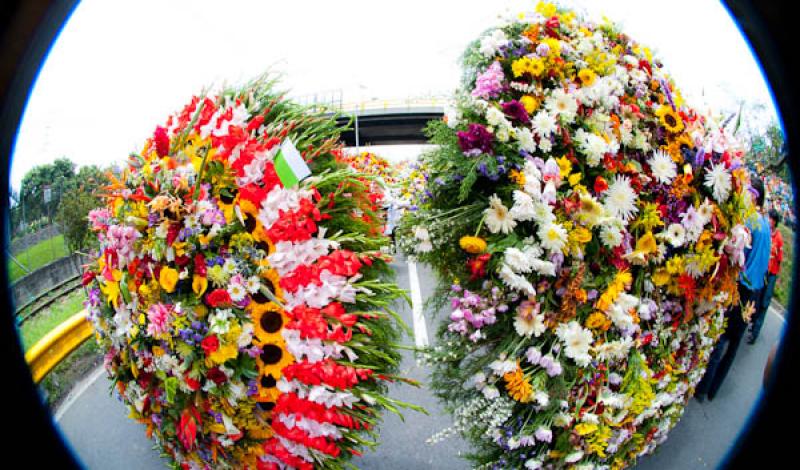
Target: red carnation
<point x="210" y="344"/>
<point x="217" y="375"/>
<point x="600" y="184"/>
<point x="218" y="298"/>
<point x="162" y="141"/>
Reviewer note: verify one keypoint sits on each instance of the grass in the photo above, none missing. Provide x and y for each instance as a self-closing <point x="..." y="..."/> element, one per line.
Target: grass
<point x="783" y="286"/>
<point x="37" y="256"/>
<point x="45" y="321"/>
<point x="57" y="384"/>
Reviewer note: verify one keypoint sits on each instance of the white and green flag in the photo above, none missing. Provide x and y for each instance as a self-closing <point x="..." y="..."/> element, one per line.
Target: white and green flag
<point x="289" y="165"/>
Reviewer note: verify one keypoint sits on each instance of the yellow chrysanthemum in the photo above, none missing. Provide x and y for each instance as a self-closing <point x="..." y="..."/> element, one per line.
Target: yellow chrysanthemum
<point x="224" y="353"/>
<point x="518" y="386"/>
<point x="585" y="428"/>
<point x="530" y="103"/>
<point x="646" y="244"/>
<point x="546" y="9"/>
<point x="587" y="77"/>
<point x="660" y="277"/>
<point x="473" y="245"/>
<point x="598" y="321"/>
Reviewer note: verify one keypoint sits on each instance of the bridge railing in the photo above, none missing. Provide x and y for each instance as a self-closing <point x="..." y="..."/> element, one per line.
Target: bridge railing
<point x="55" y="346"/>
<point x="410" y="103"/>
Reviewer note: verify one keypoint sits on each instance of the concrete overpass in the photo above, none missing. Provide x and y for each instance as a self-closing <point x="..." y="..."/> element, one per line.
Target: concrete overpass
<point x="388" y="122"/>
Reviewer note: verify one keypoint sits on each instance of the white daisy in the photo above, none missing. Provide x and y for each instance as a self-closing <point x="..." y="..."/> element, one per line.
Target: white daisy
<point x="675" y="235"/>
<point x="498" y="218"/>
<point x="523" y="208"/>
<point x="496" y="118"/>
<point x="237" y="292"/>
<point x="621" y="199"/>
<point x="553" y="237"/>
<point x="563" y="105"/>
<point x="252" y="284"/>
<point x="543" y="125"/>
<point x="663" y="168"/>
<point x="718" y="179"/>
<point x="591" y="145"/>
<point x="577" y="341"/>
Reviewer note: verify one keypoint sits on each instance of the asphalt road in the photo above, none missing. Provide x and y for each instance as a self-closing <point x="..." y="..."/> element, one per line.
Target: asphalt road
<point x="95" y="425"/>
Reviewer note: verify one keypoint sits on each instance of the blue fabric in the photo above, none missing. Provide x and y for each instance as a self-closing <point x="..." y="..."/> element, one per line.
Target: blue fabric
<point x="757" y="256"/>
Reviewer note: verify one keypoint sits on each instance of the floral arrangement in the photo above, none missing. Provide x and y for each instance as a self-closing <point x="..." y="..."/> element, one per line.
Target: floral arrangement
<point x="587" y="228"/>
<point x="369" y="163"/>
<point x="240" y="291"/>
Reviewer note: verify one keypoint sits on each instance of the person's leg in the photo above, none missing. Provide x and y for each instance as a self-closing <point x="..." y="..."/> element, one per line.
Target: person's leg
<point x="734" y="332"/>
<point x="758" y="318"/>
<point x="711" y="368"/>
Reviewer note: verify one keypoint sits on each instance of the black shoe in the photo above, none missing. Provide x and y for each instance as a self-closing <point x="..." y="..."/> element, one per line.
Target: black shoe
<point x="751" y="339"/>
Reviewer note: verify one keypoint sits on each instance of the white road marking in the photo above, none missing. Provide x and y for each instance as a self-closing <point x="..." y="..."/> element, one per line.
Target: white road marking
<point x="76" y="393"/>
<point x="420" y="330"/>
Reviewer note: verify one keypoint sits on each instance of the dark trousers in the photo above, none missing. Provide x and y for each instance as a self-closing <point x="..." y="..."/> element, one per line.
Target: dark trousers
<point x="725" y="351"/>
<point x="761" y="312"/>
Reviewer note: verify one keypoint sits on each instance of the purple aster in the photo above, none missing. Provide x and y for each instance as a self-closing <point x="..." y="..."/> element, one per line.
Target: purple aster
<point x="516" y="112"/>
<point x="476" y="140"/>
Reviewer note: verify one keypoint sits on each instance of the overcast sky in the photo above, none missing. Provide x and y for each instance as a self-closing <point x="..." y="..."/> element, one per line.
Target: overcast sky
<point x="120" y="68"/>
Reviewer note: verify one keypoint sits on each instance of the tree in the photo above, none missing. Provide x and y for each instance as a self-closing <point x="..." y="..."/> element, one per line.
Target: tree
<point x="76" y="204"/>
<point x="59" y="176"/>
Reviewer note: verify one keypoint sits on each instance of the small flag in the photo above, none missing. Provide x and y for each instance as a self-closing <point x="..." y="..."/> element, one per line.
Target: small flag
<point x="290" y="166"/>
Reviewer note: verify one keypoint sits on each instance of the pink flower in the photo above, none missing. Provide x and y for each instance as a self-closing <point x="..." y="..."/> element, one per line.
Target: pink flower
<point x="489" y="84"/>
<point x="158" y="319"/>
<point x="99" y="218"/>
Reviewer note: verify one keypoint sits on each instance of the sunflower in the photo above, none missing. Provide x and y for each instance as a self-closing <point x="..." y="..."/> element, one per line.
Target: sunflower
<point x="226" y="202"/>
<point x="670" y="119"/>
<point x="273" y="358"/>
<point x="271" y="279"/>
<point x="268" y="320"/>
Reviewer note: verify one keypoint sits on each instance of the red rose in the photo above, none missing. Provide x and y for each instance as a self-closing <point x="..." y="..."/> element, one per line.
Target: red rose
<point x="210" y="344"/>
<point x="218" y="298"/>
<point x="217" y="375"/>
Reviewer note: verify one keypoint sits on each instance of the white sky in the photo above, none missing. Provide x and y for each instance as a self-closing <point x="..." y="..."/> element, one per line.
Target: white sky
<point x="120" y="68"/>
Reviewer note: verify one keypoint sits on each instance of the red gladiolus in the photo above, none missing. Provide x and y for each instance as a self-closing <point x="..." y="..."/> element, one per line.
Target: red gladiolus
<point x="327" y="372"/>
<point x="172" y="233"/>
<point x="161" y="140"/>
<point x="218" y="298"/>
<point x="275" y="448"/>
<point x="298" y="435"/>
<point x="210" y="344"/>
<point x="187" y="427"/>
<point x="87" y="278"/>
<point x="687" y="285"/>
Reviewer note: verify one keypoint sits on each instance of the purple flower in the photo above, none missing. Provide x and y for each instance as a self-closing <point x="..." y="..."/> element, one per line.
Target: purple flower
<point x="554" y="369"/>
<point x="516" y="112"/>
<point x="544" y="435"/>
<point x="489" y="84"/>
<point x="533" y="355"/>
<point x="476" y="140"/>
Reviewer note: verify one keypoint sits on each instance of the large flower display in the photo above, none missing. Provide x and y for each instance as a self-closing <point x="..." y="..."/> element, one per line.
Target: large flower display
<point x="587" y="227"/>
<point x="240" y="291"/>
